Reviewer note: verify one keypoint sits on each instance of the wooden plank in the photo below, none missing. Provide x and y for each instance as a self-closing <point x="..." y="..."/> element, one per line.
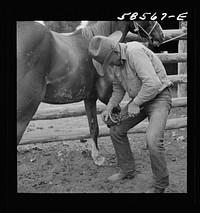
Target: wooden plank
<point x="172" y="57"/>
<point x="179" y="102"/>
<point x="171" y="33"/>
<point x="182" y="67"/>
<point x="62" y="111"/>
<point x="177" y="79"/>
<point x="65" y="110"/>
<point x="80" y="133"/>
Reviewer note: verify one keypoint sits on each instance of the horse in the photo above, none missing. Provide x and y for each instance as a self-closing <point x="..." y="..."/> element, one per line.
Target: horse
<point x="56" y="68"/>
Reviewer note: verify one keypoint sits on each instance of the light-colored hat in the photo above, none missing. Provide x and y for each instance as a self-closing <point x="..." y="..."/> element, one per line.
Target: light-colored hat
<point x="101" y="48"/>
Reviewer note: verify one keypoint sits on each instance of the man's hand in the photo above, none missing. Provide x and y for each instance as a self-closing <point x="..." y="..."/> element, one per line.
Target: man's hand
<point x="105" y="115"/>
<point x="133" y="110"/>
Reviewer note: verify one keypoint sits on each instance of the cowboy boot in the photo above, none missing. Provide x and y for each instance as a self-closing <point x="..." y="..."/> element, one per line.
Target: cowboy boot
<point x="121" y="176"/>
<point x="154" y="189"/>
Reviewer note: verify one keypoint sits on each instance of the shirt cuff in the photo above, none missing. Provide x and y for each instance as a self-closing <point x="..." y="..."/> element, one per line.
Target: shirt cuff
<point x="138" y="101"/>
<point x="109" y="106"/>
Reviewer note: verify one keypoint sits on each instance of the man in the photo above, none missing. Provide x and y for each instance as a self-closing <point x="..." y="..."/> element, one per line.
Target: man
<point x="140" y="73"/>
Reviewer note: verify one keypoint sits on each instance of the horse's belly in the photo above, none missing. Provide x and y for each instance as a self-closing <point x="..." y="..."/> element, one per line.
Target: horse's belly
<point x="59" y="94"/>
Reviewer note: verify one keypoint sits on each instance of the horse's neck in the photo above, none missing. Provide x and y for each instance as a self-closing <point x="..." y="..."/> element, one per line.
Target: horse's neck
<point x="104" y="28"/>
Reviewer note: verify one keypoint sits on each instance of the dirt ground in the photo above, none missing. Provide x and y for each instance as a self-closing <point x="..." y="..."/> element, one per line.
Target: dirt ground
<point x="67" y="167"/>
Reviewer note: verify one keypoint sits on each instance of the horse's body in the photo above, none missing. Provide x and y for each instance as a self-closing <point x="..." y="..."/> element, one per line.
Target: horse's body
<point x="55" y="68"/>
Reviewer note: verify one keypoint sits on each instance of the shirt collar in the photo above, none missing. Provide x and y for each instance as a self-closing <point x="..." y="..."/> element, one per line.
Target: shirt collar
<point x="123" y="52"/>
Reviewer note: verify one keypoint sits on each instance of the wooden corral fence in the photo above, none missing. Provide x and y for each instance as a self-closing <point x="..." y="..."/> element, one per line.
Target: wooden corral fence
<point x="64" y="111"/>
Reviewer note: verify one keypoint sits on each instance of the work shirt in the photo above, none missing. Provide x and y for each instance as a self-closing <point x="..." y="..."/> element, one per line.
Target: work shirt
<point x="142" y="75"/>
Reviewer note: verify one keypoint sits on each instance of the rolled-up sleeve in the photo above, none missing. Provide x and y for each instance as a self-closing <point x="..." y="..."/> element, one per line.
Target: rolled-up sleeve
<point x="117" y="95"/>
<point x="151" y="83"/>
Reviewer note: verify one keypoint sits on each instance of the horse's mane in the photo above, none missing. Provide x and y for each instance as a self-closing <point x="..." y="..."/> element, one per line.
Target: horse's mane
<point x="99" y="28"/>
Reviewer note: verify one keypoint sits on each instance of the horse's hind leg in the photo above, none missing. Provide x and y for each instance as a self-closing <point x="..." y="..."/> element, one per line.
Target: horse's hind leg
<point x="24" y="116"/>
<point x="29" y="96"/>
<point x="90" y="107"/>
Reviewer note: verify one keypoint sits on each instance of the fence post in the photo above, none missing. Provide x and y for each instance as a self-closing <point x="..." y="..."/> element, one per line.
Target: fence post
<point x="182" y="67"/>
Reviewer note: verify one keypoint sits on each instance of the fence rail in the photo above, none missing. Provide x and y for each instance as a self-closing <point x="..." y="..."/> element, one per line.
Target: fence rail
<point x="172" y="57"/>
<point x="77" y="134"/>
<point x="65" y="111"/>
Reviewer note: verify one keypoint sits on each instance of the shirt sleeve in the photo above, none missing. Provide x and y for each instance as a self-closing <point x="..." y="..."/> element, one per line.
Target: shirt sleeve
<point x="117" y="95"/>
<point x="151" y="83"/>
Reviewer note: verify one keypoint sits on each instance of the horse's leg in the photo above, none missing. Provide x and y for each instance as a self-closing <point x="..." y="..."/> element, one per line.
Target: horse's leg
<point x="90" y="107"/>
<point x="34" y="57"/>
<point x="29" y="96"/>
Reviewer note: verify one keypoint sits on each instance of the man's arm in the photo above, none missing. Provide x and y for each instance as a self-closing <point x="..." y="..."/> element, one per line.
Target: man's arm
<point x="141" y="63"/>
<point x="117" y="96"/>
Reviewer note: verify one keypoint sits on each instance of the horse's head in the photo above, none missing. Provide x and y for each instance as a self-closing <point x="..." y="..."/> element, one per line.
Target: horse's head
<point x="150" y="30"/>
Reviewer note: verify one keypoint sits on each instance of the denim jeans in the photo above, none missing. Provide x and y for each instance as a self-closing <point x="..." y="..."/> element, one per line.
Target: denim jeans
<point x="156" y="111"/>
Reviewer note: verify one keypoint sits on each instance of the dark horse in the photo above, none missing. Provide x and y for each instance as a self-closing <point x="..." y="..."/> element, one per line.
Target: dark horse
<point x="56" y="68"/>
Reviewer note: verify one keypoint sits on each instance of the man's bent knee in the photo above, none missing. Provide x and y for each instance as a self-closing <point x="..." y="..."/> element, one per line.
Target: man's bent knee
<point x="117" y="134"/>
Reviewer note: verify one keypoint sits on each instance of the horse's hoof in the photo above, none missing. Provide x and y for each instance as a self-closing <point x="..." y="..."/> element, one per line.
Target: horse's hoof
<point x="99" y="160"/>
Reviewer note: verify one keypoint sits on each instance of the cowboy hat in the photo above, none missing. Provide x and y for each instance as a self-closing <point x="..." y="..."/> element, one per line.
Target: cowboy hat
<point x="101" y="49"/>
